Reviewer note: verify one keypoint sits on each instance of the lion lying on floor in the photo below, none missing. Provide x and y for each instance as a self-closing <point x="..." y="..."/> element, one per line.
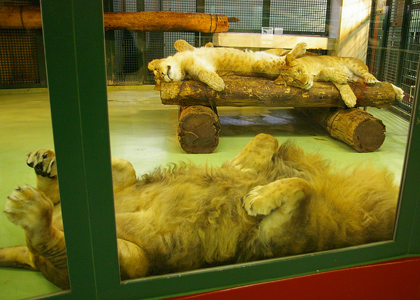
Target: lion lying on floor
<point x="269" y="201"/>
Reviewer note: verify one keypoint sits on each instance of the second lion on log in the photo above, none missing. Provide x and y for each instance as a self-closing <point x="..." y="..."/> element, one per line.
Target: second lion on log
<point x="303" y="71"/>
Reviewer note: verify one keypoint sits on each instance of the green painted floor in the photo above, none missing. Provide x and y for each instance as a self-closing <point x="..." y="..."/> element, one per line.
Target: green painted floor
<point x="143" y="131"/>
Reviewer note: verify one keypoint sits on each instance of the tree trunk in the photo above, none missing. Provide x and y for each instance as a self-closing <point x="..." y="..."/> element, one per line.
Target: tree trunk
<point x="167" y="21"/>
<point x="254" y="91"/>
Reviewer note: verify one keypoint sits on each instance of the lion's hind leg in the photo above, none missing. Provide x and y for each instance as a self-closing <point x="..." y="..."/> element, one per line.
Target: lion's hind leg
<point x="32" y="210"/>
<point x="17" y="257"/>
<point x="284" y="194"/>
<point x="283" y="203"/>
<point x="257" y="155"/>
<point x="123" y="174"/>
<point x="133" y="260"/>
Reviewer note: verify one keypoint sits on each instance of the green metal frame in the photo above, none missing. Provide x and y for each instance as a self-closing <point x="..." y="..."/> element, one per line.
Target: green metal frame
<point x="74" y="47"/>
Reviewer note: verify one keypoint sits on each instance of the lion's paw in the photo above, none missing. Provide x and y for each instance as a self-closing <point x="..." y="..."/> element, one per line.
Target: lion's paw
<point x="29" y="208"/>
<point x="216" y="84"/>
<point x="399" y="93"/>
<point x="350" y="100"/>
<point x="43" y="162"/>
<point x="341" y="77"/>
<point x="257" y="201"/>
<point x="370" y="79"/>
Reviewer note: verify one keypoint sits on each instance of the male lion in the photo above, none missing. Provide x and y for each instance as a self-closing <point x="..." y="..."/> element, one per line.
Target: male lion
<point x="269" y="201"/>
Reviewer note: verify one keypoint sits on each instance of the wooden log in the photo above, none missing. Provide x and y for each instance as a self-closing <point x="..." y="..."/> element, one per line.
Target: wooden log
<point x="198" y="129"/>
<point x="254" y="91"/>
<point x="355" y="127"/>
<point x="20" y="17"/>
<point x="167" y="21"/>
<point x="29" y="17"/>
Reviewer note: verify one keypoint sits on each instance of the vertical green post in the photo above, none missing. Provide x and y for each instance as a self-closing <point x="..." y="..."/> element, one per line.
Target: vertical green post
<point x="74" y="47"/>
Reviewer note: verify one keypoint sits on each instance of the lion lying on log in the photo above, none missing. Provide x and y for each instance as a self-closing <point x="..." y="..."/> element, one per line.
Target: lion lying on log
<point x="269" y="201"/>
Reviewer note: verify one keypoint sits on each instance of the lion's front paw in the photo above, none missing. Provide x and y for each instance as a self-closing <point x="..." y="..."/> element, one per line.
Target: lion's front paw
<point x="349" y="99"/>
<point x="43" y="162"/>
<point x="217" y="84"/>
<point x="257" y="201"/>
<point x="370" y="79"/>
<point x="29" y="208"/>
<point x="341" y="77"/>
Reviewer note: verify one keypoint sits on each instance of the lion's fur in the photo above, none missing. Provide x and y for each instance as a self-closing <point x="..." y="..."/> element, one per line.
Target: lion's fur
<point x="268" y="202"/>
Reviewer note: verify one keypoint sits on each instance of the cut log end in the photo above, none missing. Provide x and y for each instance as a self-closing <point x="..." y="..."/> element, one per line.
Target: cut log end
<point x="198" y="130"/>
<point x="369" y="135"/>
<point x="355" y="127"/>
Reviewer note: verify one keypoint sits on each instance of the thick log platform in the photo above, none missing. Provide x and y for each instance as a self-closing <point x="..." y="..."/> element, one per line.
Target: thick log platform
<point x="254" y="91"/>
<point x="198" y="130"/>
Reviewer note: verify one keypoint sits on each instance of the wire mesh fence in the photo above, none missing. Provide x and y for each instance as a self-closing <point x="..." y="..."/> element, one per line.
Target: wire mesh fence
<point x="249" y="13"/>
<point x="394" y="49"/>
<point x="410" y="62"/>
<point x="130" y="52"/>
<point x="300" y="16"/>
<point x="19" y="57"/>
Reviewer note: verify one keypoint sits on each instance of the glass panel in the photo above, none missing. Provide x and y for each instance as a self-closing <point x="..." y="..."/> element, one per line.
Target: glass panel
<point x="265" y="204"/>
<point x="181" y="217"/>
<point x="25" y="123"/>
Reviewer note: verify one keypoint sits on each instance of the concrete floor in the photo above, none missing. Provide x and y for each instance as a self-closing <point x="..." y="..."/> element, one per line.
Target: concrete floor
<point x="143" y="131"/>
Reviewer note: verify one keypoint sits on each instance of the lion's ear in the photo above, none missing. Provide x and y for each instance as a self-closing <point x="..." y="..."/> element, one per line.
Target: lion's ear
<point x="290" y="60"/>
<point x="154" y="64"/>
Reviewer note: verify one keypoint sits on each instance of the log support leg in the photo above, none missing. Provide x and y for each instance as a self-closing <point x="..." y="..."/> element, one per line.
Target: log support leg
<point x="355" y="127"/>
<point x="198" y="129"/>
